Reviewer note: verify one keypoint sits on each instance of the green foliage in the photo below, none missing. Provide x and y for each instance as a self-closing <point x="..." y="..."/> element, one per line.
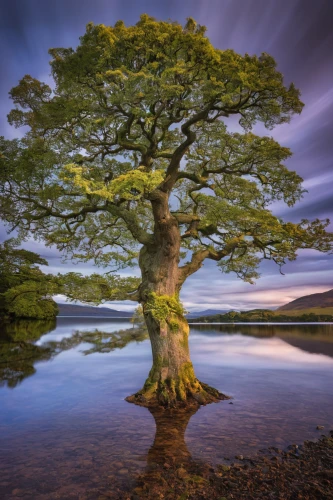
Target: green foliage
<point x="140" y="110"/>
<point x="28" y="301"/>
<point x="25" y="291"/>
<point x="97" y="288"/>
<point x="162" y="307"/>
<point x="129" y="186"/>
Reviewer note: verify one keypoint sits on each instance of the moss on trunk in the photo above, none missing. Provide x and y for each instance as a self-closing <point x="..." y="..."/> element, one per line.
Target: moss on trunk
<point x="171" y="381"/>
<point x="181" y="391"/>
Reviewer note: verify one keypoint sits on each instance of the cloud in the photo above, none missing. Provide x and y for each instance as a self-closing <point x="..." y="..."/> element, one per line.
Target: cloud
<point x="298" y="34"/>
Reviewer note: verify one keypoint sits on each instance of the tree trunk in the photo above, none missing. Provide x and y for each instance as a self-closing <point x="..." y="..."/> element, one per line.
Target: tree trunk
<point x="171" y="381"/>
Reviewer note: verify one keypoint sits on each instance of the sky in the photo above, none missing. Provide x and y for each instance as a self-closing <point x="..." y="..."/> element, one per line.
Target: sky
<point x="297" y="33"/>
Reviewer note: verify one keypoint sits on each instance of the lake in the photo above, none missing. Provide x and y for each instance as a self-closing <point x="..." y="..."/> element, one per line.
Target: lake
<point x="67" y="432"/>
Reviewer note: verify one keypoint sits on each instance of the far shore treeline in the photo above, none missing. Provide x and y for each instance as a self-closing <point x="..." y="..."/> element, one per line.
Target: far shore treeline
<point x="268" y="316"/>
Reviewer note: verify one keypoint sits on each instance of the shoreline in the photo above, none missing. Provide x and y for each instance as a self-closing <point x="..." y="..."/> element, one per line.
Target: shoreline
<point x="298" y="472"/>
<point x="263" y="323"/>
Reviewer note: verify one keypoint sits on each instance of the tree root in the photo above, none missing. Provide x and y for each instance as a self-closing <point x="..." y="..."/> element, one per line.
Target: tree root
<point x="167" y="396"/>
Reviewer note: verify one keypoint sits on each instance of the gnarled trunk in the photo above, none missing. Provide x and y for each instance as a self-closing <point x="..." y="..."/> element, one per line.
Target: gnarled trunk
<point x="171" y="381"/>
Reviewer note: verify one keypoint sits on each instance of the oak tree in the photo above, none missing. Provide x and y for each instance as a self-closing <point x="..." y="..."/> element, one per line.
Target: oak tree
<point x="127" y="159"/>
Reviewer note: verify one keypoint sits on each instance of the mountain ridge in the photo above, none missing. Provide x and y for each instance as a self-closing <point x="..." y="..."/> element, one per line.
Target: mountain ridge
<point x="206" y="312"/>
<point x="90" y="311"/>
<point x="324" y="299"/>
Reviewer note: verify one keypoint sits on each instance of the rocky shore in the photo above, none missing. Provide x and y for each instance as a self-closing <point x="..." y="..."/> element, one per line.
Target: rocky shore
<point x="299" y="472"/>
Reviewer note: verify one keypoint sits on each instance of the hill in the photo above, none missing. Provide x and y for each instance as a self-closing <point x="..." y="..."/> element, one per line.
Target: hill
<point x="312" y="301"/>
<point x="75" y="310"/>
<point x="206" y="312"/>
<point x="318" y="311"/>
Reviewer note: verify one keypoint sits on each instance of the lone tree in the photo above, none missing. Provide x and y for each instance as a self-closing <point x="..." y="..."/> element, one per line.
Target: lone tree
<point x="128" y="159"/>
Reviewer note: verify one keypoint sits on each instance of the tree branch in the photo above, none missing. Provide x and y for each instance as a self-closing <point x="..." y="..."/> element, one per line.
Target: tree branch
<point x="178" y="154"/>
<point x="132" y="224"/>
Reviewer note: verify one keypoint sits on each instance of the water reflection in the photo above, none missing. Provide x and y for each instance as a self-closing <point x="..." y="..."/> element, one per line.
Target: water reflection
<point x="320" y="332"/>
<point x="25" y="343"/>
<point x="169" y="445"/>
<point x="20" y="351"/>
<point x="313" y="339"/>
<point x="168" y="454"/>
<point x="67" y="432"/>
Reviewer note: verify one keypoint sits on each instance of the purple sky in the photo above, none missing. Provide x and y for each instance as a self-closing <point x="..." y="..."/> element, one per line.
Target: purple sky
<point x="298" y="33"/>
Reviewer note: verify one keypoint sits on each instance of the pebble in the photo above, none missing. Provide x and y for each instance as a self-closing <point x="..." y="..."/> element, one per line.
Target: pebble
<point x="225" y="468"/>
<point x="181" y="473"/>
<point x="320" y="427"/>
<point x="17" y="491"/>
<point x="239" y="457"/>
<point x="118" y="465"/>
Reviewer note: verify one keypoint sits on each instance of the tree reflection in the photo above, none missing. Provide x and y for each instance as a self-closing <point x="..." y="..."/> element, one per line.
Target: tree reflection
<point x="169" y="445"/>
<point x="19" y="353"/>
<point x="169" y="462"/>
<point x="263" y="330"/>
<point x="315" y="338"/>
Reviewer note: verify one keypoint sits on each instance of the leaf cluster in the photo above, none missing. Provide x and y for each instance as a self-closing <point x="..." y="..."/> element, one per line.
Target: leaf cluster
<point x="97" y="288"/>
<point x="25" y="291"/>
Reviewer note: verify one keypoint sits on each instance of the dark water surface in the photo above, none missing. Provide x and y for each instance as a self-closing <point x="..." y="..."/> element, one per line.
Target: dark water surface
<point x="66" y="431"/>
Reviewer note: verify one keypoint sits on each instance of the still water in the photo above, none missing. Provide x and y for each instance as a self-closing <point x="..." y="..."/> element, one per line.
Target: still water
<point x="67" y="432"/>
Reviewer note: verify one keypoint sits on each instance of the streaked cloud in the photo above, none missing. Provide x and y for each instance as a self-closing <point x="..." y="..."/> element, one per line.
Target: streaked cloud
<point x="298" y="34"/>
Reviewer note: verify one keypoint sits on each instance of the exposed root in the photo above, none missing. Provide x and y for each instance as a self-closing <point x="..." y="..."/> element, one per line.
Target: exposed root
<point x="175" y="395"/>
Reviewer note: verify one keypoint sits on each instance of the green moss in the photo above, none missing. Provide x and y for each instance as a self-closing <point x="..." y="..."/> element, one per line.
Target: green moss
<point x="186" y="371"/>
<point x="159" y="362"/>
<point x="184" y="341"/>
<point x="172" y="385"/>
<point x="170" y="392"/>
<point x="163" y="308"/>
<point x="197" y="479"/>
<point x="174" y="325"/>
<point x="170" y="389"/>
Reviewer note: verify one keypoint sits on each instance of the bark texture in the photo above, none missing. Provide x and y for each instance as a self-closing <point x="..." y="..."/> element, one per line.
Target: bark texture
<point x="171" y="381"/>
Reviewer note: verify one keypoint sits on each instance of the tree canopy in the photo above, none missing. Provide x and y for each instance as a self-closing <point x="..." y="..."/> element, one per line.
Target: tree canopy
<point x="25" y="291"/>
<point x="127" y="159"/>
<point x="140" y="108"/>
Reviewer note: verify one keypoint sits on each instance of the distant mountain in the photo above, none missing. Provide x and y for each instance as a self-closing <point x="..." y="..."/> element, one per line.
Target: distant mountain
<point x="206" y="312"/>
<point x="324" y="299"/>
<point x="75" y="310"/>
